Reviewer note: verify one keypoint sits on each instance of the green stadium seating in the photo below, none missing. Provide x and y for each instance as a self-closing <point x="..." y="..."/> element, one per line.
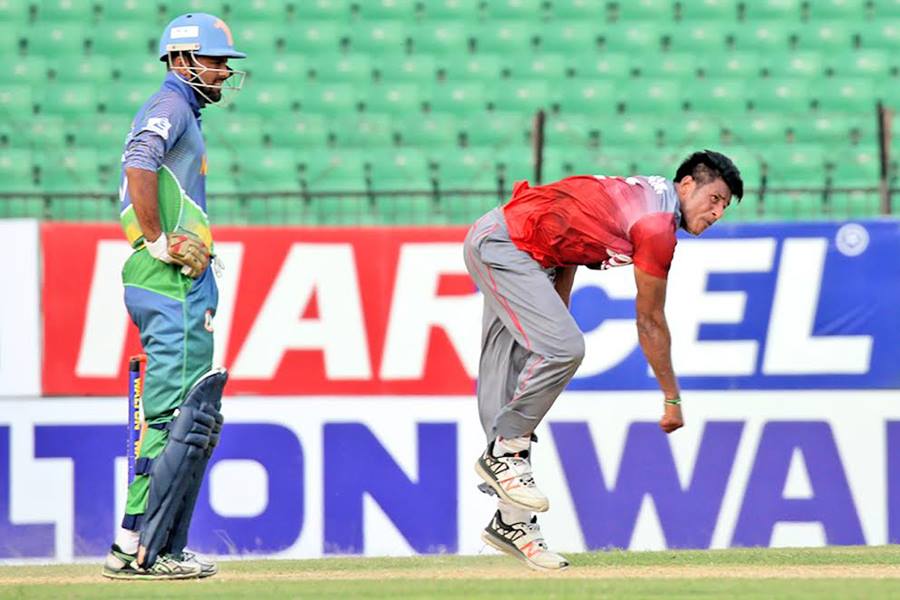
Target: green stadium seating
<point x="516" y="9"/>
<point x="886" y="8"/>
<point x="11" y="39"/>
<point x="15" y="12"/>
<point x="267" y="100"/>
<point x="475" y="67"/>
<point x="441" y="38"/>
<point x="132" y="10"/>
<point x="284" y="68"/>
<point x="301" y="131"/>
<point x="633" y="37"/>
<point x="732" y="64"/>
<point x="562" y="131"/>
<point x="126" y="97"/>
<point x="724" y="11"/>
<point x="605" y="66"/>
<point x="509" y="129"/>
<point x="780" y="95"/>
<point x="837" y="36"/>
<point x="53" y="11"/>
<point x="239" y="132"/>
<point x="337" y="68"/>
<point x="459" y="10"/>
<point x="509" y="37"/>
<point x="458" y="98"/>
<point x="396" y="98"/>
<point x="862" y="63"/>
<point x="545" y="66"/>
<point x="271" y="11"/>
<point x="696" y="130"/>
<point x="269" y="170"/>
<point x="24" y="70"/>
<point x="787" y="10"/>
<point x="725" y="98"/>
<point x="16" y="171"/>
<point x="683" y="65"/>
<point x="80" y="69"/>
<point x="69" y="100"/>
<point x="364" y="130"/>
<point x="126" y="37"/>
<point x="580" y="37"/>
<point x="16" y="102"/>
<point x="315" y="37"/>
<point x="75" y="170"/>
<point x="653" y="96"/>
<point x="387" y="9"/>
<point x="429" y="130"/>
<point x="697" y="37"/>
<point x="337" y="11"/>
<point x="379" y="37"/>
<point x="328" y="98"/>
<point x="594" y="96"/>
<point x="632" y="131"/>
<point x="524" y="96"/>
<point x="56" y="39"/>
<point x="759" y="129"/>
<point x="805" y="64"/>
<point x="845" y="95"/>
<point x="409" y="69"/>
<point x="765" y="36"/>
<point x="258" y="39"/>
<point x="849" y="10"/>
<point x="642" y="10"/>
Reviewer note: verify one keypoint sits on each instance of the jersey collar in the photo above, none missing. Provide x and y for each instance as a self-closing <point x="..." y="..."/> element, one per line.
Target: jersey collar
<point x="177" y="84"/>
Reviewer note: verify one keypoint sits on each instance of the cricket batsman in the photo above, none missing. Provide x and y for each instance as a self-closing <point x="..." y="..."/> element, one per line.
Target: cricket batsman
<point x="171" y="296"/>
<point x="523" y="257"/>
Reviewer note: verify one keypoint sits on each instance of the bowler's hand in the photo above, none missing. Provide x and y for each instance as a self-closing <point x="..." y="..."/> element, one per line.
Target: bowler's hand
<point x="672" y="419"/>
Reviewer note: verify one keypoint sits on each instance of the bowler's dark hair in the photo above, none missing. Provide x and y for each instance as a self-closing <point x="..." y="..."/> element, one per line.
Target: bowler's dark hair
<point x="708" y="165"/>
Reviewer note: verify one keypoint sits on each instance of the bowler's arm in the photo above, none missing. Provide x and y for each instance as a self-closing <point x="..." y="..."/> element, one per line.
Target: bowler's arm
<point x="653" y="334"/>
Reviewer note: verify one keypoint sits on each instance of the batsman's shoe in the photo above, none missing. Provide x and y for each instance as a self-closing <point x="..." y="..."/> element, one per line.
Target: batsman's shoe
<point x="207" y="567"/>
<point x="523" y="541"/>
<point x="511" y="479"/>
<point x="120" y="565"/>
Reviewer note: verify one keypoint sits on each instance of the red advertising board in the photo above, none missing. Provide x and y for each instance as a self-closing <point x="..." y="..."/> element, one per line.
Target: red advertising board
<point x="302" y="311"/>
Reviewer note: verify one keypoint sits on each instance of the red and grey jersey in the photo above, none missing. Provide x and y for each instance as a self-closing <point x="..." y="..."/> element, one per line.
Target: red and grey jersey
<point x="600" y="222"/>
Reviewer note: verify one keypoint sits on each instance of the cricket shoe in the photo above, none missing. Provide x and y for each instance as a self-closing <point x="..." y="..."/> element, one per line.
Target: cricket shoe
<point x="510" y="477"/>
<point x="207" y="567"/>
<point x="523" y="541"/>
<point x="120" y="565"/>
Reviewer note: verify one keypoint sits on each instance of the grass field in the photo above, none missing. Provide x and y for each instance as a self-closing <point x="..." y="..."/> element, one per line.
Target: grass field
<point x="840" y="572"/>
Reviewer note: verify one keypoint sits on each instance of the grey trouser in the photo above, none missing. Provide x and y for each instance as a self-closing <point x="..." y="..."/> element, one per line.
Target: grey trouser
<point x="530" y="344"/>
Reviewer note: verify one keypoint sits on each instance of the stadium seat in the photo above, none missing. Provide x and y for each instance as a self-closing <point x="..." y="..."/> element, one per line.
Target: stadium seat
<point x="458" y="98"/>
<point x="571" y="131"/>
<point x="56" y="39"/>
<point x="587" y="10"/>
<point x="126" y="97"/>
<point x="653" y="96"/>
<point x="126" y="37"/>
<point x="525" y="96"/>
<point x="605" y="66"/>
<point x="697" y="37"/>
<point x="845" y="95"/>
<point x="595" y="96"/>
<point x="271" y="11"/>
<point x="642" y="11"/>
<point x="835" y="36"/>
<point x="502" y="10"/>
<point x="43" y="131"/>
<point x="579" y="37"/>
<point x="499" y="129"/>
<point x="337" y="11"/>
<point x="432" y="129"/>
<point x="699" y="131"/>
<point x="105" y="133"/>
<point x="545" y="66"/>
<point x="55" y="11"/>
<point x="239" y="132"/>
<point x="633" y="37"/>
<point x="861" y="63"/>
<point x="786" y="10"/>
<point x="465" y="11"/>
<point x="283" y="68"/>
<point x="683" y="65"/>
<point x="758" y="129"/>
<point x="97" y="70"/>
<point x="406" y="69"/>
<point x="512" y="37"/>
<point x="881" y="34"/>
<point x="16" y="171"/>
<point x="328" y="98"/>
<point x="723" y="11"/>
<point x="348" y="68"/>
<point x="467" y="168"/>
<point x="800" y="64"/>
<point x="69" y="100"/>
<point x="132" y="10"/>
<point x="267" y="100"/>
<point x="725" y="97"/>
<point x="16" y="12"/>
<point x="886" y="8"/>
<point x="847" y="10"/>
<point x="379" y="37"/>
<point x="74" y="170"/>
<point x="274" y="169"/>
<point x="440" y="38"/>
<point x="632" y="131"/>
<point x="315" y="37"/>
<point x="16" y="102"/>
<point x="395" y="98"/>
<point x="302" y="130"/>
<point x="363" y="130"/>
<point x="765" y="36"/>
<point x="24" y="70"/>
<point x="258" y="39"/>
<point x="780" y="95"/>
<point x="732" y="64"/>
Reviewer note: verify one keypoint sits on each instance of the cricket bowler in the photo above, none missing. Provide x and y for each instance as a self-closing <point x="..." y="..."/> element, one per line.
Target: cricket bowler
<point x="171" y="296"/>
<point x="523" y="257"/>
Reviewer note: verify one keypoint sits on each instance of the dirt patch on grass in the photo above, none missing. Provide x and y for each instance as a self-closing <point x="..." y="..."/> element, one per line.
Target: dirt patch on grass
<point x="513" y="571"/>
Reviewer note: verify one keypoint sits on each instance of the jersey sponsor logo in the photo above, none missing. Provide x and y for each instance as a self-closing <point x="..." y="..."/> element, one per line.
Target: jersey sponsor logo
<point x="159" y="126"/>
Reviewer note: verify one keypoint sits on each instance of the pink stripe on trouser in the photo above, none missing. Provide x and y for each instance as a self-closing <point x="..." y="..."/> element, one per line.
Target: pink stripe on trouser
<point x="496" y="293"/>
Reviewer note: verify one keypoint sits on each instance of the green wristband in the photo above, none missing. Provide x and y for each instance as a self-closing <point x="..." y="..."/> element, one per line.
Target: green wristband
<point x="674" y="401"/>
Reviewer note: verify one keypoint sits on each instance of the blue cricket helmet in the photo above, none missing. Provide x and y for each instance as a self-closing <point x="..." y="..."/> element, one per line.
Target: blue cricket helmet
<point x="200" y="33"/>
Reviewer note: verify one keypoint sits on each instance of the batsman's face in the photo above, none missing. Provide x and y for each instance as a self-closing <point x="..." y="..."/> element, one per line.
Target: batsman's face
<point x="702" y="204"/>
<point x="214" y="75"/>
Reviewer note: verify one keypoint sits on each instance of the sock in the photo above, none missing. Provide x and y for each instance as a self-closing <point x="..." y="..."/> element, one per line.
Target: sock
<point x="512" y="514"/>
<point x="127" y="540"/>
<point x="511" y="445"/>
